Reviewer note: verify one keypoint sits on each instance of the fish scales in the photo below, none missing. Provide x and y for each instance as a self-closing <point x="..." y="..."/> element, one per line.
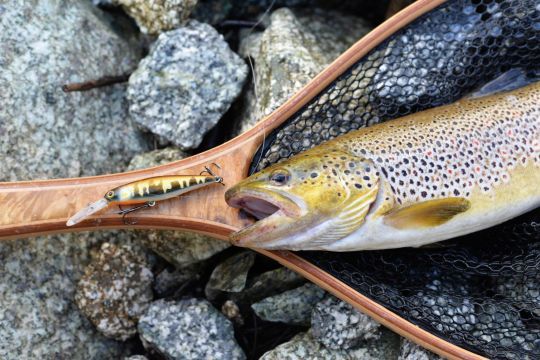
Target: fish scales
<point x="454" y="150"/>
<point x="423" y="178"/>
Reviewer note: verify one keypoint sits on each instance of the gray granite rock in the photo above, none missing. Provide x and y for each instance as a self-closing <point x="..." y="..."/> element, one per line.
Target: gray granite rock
<point x="291" y="307"/>
<point x="188" y="329"/>
<point x="157" y="16"/>
<point x="186" y="83"/>
<point x="115" y="290"/>
<point x="136" y="357"/>
<point x="183" y="248"/>
<point x="339" y="325"/>
<point x="267" y="284"/>
<point x="156" y="158"/>
<point x="290" y="52"/>
<point x="304" y="346"/>
<point x="410" y="351"/>
<point x="44" y="132"/>
<point x="230" y="275"/>
<point x="38" y="317"/>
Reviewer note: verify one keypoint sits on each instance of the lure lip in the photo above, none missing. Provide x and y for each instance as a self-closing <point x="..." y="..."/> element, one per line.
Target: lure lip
<point x="87" y="211"/>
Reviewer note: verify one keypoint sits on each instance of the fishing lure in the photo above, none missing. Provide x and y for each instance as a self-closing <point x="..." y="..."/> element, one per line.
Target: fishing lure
<point x="147" y="192"/>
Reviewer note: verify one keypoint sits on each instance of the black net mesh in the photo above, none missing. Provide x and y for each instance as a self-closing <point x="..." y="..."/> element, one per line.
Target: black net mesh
<point x="436" y="60"/>
<point x="482" y="292"/>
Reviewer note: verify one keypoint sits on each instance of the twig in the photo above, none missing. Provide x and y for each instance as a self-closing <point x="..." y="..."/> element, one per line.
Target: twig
<point x="92" y="84"/>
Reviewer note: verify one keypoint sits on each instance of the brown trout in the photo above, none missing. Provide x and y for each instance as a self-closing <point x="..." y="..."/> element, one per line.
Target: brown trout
<point x="420" y="179"/>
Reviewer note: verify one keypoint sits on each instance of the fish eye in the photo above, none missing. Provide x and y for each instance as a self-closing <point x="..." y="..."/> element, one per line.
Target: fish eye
<point x="109" y="195"/>
<point x="280" y="177"/>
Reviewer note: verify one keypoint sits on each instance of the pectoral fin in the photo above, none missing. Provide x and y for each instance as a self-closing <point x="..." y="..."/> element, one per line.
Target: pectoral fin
<point x="427" y="213"/>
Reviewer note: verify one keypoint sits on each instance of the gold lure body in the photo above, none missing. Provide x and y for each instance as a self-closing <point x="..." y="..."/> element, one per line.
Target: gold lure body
<point x="147" y="191"/>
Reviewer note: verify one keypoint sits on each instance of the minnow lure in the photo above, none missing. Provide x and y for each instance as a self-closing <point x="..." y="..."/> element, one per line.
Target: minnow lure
<point x="420" y="179"/>
<point x="147" y="192"/>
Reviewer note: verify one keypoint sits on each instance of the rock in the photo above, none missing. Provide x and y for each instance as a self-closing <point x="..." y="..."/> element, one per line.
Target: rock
<point x="231" y="310"/>
<point x="188" y="329"/>
<point x="39" y="319"/>
<point x="290" y="307"/>
<point x="290" y="52"/>
<point x="339" y="325"/>
<point x="410" y="351"/>
<point x="230" y="275"/>
<point x="269" y="283"/>
<point x="42" y="49"/>
<point x="304" y="346"/>
<point x="136" y="357"/>
<point x="104" y="3"/>
<point x="183" y="248"/>
<point x="115" y="290"/>
<point x="186" y="83"/>
<point x="157" y="16"/>
<point x="156" y="158"/>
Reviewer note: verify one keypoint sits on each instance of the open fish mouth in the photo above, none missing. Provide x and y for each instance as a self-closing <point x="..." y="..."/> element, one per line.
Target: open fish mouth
<point x="268" y="207"/>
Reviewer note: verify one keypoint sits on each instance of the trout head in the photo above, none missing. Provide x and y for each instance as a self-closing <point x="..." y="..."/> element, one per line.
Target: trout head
<point x="306" y="202"/>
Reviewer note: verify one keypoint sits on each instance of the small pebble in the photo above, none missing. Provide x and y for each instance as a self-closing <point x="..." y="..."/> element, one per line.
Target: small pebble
<point x="291" y="307"/>
<point x="231" y="275"/>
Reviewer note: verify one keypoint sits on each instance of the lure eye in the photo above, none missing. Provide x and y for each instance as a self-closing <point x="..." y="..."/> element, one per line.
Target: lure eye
<point x="280" y="177"/>
<point x="109" y="195"/>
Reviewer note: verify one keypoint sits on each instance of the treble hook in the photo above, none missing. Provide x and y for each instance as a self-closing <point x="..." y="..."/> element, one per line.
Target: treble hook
<point x="207" y="170"/>
<point x="125" y="212"/>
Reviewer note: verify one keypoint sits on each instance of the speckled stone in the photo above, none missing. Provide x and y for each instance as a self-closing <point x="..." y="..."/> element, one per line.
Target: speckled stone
<point x="188" y="329"/>
<point x="115" y="290"/>
<point x="231" y="310"/>
<point x="183" y="248"/>
<point x="304" y="346"/>
<point x="186" y="83"/>
<point x="291" y="307"/>
<point x="268" y="283"/>
<point x="46" y="132"/>
<point x="157" y="16"/>
<point x="136" y="357"/>
<point x="230" y="275"/>
<point x="290" y="52"/>
<point x="339" y="325"/>
<point x="38" y="317"/>
<point x="410" y="351"/>
<point x="156" y="158"/>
